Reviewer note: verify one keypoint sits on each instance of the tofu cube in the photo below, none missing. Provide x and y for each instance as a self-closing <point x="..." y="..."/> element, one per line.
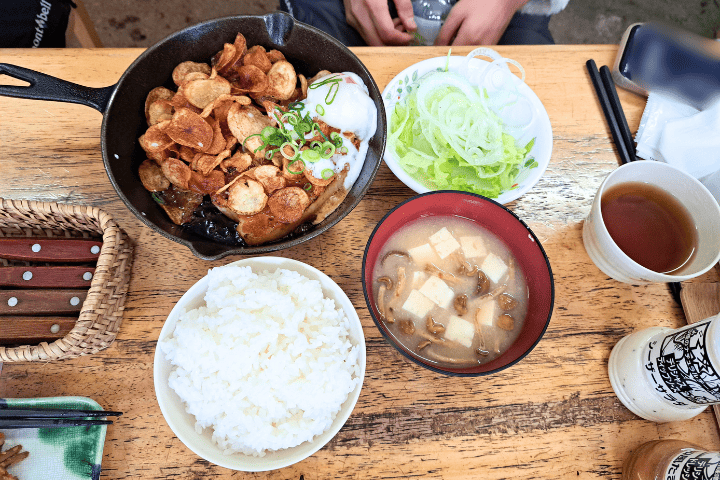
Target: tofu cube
<point x="418" y="304"/>
<point x="460" y="331"/>
<point x="423" y="254"/>
<point x="473" y="247"/>
<point x="443" y="242"/>
<point x="418" y="279"/>
<point x="437" y="291"/>
<point x="485" y="315"/>
<point x="494" y="267"/>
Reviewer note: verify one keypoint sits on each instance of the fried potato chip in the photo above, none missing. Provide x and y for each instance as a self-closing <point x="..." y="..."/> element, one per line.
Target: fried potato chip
<point x="224" y="57"/>
<point x="207" y="163"/>
<point x="303" y="86"/>
<point x="159" y="111"/>
<point x="271" y="177"/>
<point x="203" y="92"/>
<point x="206" y="184"/>
<point x="246" y="197"/>
<point x="185" y="68"/>
<point x="281" y="81"/>
<point x="155" y="141"/>
<point x="177" y="172"/>
<point x="250" y="79"/>
<point x="186" y="153"/>
<point x="239" y="162"/>
<point x="230" y="140"/>
<point x="288" y="204"/>
<point x="218" y="142"/>
<point x="257" y="56"/>
<point x="275" y="56"/>
<point x="157" y="93"/>
<point x="152" y="177"/>
<point x="190" y="129"/>
<point x="180" y="101"/>
<point x="221" y="101"/>
<point x="246" y="120"/>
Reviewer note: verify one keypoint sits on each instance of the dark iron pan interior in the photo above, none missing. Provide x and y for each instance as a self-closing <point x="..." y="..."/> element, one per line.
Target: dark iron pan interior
<point x="307" y="48"/>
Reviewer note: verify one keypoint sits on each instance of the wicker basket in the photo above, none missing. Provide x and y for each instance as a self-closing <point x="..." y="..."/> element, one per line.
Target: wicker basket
<point x="101" y="313"/>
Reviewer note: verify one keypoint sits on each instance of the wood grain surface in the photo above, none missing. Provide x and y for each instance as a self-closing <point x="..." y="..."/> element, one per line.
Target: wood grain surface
<point x="552" y="415"/>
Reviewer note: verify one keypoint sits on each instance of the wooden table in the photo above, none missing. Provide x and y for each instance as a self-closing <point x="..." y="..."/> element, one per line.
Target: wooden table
<point x="552" y="415"/>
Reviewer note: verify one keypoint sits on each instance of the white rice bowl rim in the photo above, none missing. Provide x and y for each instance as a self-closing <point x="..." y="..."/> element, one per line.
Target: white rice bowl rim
<point x="183" y="424"/>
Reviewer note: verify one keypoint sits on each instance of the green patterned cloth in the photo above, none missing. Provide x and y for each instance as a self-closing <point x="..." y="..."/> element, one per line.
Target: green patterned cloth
<point x="67" y="453"/>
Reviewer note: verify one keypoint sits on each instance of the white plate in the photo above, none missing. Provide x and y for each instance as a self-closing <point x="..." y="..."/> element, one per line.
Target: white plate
<point x="539" y="128"/>
<point x="183" y="423"/>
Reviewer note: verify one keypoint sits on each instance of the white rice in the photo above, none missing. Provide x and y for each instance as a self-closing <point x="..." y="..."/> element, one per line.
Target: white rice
<point x="267" y="363"/>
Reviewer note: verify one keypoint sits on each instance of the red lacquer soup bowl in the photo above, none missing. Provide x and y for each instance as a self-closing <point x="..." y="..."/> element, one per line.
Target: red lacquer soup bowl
<point x="523" y="244"/>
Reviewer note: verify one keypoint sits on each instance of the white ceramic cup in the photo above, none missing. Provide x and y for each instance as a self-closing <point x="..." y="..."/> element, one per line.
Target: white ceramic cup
<point x="699" y="202"/>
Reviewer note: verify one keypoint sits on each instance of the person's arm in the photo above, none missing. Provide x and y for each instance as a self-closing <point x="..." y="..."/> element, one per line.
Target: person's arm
<point x="371" y="18"/>
<point x="477" y="22"/>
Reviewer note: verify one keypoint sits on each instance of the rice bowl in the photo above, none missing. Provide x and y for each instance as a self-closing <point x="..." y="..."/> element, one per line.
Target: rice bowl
<point x="301" y="386"/>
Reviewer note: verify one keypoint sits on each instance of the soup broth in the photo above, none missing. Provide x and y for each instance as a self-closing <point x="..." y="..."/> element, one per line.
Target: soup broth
<point x="450" y="291"/>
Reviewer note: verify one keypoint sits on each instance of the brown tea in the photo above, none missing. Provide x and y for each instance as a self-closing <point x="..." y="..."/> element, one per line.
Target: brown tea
<point x="650" y="226"/>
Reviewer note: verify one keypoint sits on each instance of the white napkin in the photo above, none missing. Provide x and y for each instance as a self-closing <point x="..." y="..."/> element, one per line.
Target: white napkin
<point x="682" y="136"/>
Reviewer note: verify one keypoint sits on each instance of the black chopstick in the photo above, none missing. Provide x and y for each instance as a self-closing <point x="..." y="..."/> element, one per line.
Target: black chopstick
<point x="53" y="413"/>
<point x="607" y="108"/>
<point x="609" y="84"/>
<point x="11" y="423"/>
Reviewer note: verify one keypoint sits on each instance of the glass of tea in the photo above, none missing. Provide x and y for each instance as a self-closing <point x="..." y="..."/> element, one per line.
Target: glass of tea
<point x="651" y="222"/>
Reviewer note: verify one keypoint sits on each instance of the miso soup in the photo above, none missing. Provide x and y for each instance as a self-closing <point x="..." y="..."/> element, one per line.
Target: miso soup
<point x="450" y="291"/>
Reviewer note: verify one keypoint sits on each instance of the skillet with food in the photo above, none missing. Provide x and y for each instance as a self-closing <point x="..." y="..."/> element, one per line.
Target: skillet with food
<point x="124" y="122"/>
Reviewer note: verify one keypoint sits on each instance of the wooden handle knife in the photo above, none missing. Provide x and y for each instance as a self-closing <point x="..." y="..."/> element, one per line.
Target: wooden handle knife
<point x="32" y="330"/>
<point x="46" y="277"/>
<point x="50" y="250"/>
<point x="41" y="302"/>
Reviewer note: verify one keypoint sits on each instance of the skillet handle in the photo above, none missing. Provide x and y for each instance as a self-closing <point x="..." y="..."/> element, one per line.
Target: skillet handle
<point x="46" y="87"/>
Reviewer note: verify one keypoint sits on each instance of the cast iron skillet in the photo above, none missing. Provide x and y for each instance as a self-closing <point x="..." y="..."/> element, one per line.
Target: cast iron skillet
<point x="123" y="107"/>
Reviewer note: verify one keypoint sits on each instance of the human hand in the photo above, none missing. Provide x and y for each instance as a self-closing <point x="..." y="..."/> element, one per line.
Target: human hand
<point x="477" y="22"/>
<point x="371" y="18"/>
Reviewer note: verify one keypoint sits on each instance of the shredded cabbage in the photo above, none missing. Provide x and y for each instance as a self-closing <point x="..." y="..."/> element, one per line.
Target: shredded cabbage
<point x="447" y="134"/>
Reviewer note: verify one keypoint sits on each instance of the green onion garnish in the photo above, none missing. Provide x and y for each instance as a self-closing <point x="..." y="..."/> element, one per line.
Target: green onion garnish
<point x="320" y="110"/>
<point x="294" y="148"/>
<point x="155" y="196"/>
<point x="327" y="173"/>
<point x="291" y="168"/>
<point x="310" y="155"/>
<point x="327" y="150"/>
<point x="308" y="187"/>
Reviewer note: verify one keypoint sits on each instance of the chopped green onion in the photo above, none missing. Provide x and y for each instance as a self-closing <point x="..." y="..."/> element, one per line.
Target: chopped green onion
<point x="343" y="150"/>
<point x="291" y="117"/>
<point x="293" y="146"/>
<point x="155" y="196"/>
<point x="327" y="173"/>
<point x="248" y="138"/>
<point x="327" y="150"/>
<point x="310" y="155"/>
<point x="267" y="133"/>
<point x="336" y="139"/>
<point x="269" y="154"/>
<point x="297" y="106"/>
<point x="320" y="110"/>
<point x="293" y="162"/>
<point x="334" y="87"/>
<point x="308" y="187"/>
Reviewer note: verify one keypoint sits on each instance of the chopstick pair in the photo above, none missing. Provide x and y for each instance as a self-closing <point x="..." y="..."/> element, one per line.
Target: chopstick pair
<point x="614" y="115"/>
<point x="622" y="138"/>
<point x="11" y="418"/>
